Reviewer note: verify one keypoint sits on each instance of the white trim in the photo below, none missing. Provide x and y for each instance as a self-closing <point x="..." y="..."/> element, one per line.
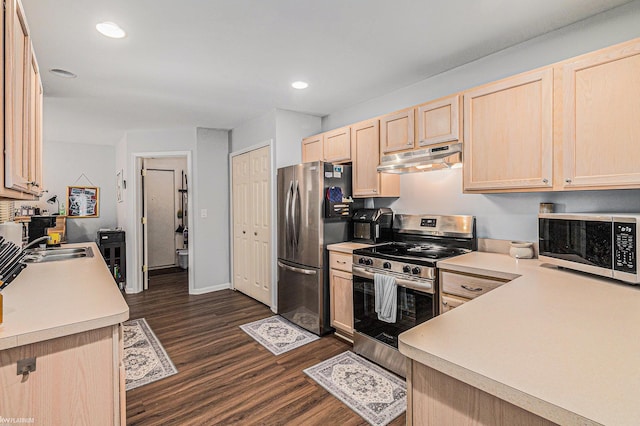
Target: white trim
<point x="274" y="223"/>
<point x="211" y="288"/>
<point x="134" y="283"/>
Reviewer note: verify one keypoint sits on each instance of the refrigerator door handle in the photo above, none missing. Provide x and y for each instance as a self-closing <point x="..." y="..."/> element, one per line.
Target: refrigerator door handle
<point x="294" y="216"/>
<point x="287" y="217"/>
<point x="298" y="270"/>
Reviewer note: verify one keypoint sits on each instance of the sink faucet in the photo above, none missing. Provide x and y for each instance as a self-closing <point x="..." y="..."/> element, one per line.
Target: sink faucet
<point x="36" y="241"/>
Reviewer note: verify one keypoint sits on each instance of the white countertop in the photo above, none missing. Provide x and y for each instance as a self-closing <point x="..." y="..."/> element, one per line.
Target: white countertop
<point x="55" y="299"/>
<point x="347" y="247"/>
<point x="561" y="344"/>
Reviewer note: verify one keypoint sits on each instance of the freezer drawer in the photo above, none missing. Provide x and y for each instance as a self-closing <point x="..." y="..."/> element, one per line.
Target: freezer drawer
<point x="303" y="296"/>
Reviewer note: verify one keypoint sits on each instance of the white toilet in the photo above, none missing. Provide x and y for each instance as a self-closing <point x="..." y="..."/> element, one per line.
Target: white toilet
<point x="183" y="258"/>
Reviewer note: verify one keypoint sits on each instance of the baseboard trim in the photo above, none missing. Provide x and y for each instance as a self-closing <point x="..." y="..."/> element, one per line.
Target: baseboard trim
<point x="212" y="288"/>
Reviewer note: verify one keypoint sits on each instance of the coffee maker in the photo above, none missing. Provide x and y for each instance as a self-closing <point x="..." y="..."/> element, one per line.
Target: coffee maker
<point x="373" y="225"/>
<point x="39" y="225"/>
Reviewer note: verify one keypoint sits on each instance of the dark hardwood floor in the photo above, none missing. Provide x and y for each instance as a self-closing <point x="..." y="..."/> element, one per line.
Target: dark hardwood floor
<point x="224" y="376"/>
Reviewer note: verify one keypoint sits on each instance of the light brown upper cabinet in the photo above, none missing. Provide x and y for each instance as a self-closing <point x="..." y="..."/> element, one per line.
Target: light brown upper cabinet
<point x="439" y="121"/>
<point x="367" y="182"/>
<point x="312" y="149"/>
<point x="397" y="131"/>
<point x="508" y="134"/>
<point x="601" y="119"/>
<point x="22" y="109"/>
<point x="337" y="145"/>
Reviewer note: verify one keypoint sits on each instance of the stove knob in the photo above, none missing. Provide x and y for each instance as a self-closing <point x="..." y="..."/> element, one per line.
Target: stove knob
<point x="406" y="268"/>
<point x="415" y="271"/>
<point x="386" y="265"/>
<point x="368" y="261"/>
<point x="361" y="261"/>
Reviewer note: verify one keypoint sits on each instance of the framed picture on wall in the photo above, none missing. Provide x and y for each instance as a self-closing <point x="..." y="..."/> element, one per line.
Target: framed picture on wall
<point x="83" y="201"/>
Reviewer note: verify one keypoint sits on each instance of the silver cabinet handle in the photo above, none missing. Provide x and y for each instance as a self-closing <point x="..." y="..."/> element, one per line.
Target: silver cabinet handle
<point x="341" y="262"/>
<point x="255" y="233"/>
<point x="545" y="180"/>
<point x="298" y="270"/>
<point x="445" y="303"/>
<point x="567" y="180"/>
<point x="466" y="287"/>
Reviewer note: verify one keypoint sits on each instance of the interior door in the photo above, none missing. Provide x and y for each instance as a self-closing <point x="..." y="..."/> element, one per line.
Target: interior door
<point x="261" y="224"/>
<point x="241" y="224"/>
<point x="161" y="215"/>
<point x="143" y="221"/>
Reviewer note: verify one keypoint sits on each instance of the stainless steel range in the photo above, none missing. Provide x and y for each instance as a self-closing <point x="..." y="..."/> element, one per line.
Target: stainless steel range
<point x="408" y="264"/>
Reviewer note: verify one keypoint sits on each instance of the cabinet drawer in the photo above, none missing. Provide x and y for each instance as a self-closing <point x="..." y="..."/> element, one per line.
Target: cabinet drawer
<point x="341" y="261"/>
<point x="469" y="286"/>
<point x="448" y="302"/>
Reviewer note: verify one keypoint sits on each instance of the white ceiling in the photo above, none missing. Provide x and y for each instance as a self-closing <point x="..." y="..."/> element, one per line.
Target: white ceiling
<point x="218" y="63"/>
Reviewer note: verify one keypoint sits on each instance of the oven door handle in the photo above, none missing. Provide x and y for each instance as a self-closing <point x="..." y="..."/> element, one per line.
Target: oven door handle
<point x="424" y="286"/>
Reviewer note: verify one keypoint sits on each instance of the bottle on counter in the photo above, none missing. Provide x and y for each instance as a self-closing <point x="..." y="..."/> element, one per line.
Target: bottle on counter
<point x="62" y="210"/>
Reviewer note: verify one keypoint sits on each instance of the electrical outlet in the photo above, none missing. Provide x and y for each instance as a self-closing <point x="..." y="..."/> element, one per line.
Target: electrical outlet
<point x="203" y="212"/>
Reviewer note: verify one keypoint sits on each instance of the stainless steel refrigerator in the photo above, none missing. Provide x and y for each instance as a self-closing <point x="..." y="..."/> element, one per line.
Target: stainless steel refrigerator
<point x="303" y="234"/>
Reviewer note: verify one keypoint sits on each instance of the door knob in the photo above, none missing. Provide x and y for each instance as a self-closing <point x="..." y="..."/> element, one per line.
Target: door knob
<point x="255" y="233"/>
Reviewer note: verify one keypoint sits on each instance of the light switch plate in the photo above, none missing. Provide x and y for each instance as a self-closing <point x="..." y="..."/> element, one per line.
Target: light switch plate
<point x="203" y="212"/>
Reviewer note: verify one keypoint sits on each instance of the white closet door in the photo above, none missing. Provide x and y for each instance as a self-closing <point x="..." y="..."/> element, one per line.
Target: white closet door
<point x="261" y="224"/>
<point x="241" y="224"/>
<point x="161" y="217"/>
<point x="252" y="224"/>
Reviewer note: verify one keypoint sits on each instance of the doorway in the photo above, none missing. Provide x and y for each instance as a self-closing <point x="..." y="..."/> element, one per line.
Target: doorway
<point x="163" y="207"/>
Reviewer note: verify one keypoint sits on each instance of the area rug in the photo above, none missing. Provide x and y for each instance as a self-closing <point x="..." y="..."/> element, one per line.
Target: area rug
<point x="372" y="392"/>
<point x="145" y="360"/>
<point x="277" y="334"/>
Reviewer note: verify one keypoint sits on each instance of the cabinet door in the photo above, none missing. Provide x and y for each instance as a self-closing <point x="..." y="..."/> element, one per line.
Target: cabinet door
<point x="367" y="182"/>
<point x="396" y="131"/>
<point x="448" y="302"/>
<point x="337" y="145"/>
<point x="439" y="121"/>
<point x="312" y="149"/>
<point x="508" y="133"/>
<point x="35" y="128"/>
<point x="17" y="88"/>
<point x="341" y="300"/>
<point x="601" y="117"/>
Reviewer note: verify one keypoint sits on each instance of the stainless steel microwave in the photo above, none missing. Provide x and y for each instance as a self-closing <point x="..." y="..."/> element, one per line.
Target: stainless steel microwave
<point x="605" y="244"/>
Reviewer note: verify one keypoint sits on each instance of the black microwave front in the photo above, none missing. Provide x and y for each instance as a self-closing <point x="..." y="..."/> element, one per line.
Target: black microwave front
<point x="605" y="244"/>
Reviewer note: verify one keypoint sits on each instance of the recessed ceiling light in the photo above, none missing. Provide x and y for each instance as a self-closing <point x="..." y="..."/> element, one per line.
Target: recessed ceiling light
<point x="110" y="29"/>
<point x="300" y="85"/>
<point x="62" y="73"/>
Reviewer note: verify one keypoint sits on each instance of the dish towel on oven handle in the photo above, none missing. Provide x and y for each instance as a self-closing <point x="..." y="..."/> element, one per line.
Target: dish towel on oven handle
<point x="386" y="296"/>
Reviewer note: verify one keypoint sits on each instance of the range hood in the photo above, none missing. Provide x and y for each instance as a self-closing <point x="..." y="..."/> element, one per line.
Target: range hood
<point x="423" y="160"/>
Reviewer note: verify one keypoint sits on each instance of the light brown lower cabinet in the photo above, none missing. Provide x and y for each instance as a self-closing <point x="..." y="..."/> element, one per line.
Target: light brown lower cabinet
<point x="79" y="379"/>
<point x="341" y="294"/>
<point x="437" y="399"/>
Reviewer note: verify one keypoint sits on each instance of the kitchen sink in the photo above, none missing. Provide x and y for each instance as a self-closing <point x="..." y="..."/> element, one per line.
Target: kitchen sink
<point x="54" y="254"/>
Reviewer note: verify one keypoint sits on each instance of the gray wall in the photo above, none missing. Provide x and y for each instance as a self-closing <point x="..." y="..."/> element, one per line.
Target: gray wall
<point x="291" y="127"/>
<point x="63" y="165"/>
<point x="253" y="132"/>
<point x="208" y="189"/>
<point x="212" y="183"/>
<point x="501" y="216"/>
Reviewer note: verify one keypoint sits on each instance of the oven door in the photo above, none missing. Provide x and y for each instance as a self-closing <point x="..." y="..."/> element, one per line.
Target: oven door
<point x="415" y="306"/>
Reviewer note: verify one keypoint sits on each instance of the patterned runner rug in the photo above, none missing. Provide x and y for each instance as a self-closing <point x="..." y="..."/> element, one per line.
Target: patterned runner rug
<point x="377" y="395"/>
<point x="277" y="334"/>
<point x="145" y="360"/>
